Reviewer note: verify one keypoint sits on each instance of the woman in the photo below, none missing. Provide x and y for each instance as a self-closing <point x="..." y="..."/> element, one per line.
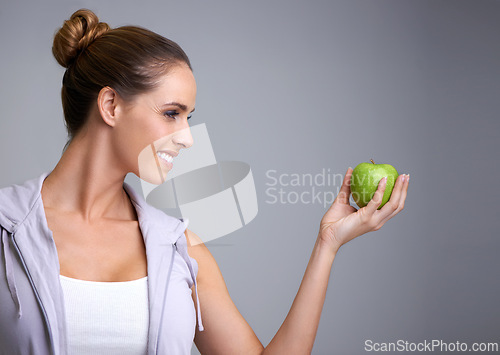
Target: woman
<point x="89" y="267"/>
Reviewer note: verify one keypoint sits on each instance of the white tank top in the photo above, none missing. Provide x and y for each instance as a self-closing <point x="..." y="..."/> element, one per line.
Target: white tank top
<point x="106" y="318"/>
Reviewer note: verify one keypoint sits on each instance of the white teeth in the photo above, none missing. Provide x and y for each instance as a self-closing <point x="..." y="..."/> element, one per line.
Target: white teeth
<point x="165" y="156"/>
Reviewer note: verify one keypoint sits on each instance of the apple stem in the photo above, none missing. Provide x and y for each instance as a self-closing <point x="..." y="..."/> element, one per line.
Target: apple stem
<point x="372" y="161"/>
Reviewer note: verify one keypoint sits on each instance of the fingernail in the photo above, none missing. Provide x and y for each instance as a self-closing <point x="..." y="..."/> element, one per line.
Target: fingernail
<point x="408" y="177"/>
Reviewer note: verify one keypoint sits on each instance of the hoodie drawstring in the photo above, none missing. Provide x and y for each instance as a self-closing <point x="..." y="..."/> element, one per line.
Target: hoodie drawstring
<point x="9" y="270"/>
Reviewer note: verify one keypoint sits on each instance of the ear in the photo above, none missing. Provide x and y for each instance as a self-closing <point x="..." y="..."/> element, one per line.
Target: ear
<point x="107" y="104"/>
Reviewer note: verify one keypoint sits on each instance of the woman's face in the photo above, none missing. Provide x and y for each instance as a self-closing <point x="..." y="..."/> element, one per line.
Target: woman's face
<point x="154" y="126"/>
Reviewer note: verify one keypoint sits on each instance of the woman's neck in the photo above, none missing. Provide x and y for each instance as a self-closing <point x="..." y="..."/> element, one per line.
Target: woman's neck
<point x="88" y="180"/>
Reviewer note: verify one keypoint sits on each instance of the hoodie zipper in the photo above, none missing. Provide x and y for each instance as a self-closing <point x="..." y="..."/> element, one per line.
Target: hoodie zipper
<point x="36" y="294"/>
<point x="165" y="297"/>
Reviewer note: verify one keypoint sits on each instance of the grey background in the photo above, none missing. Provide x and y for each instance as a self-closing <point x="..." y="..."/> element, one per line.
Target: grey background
<point x="301" y="86"/>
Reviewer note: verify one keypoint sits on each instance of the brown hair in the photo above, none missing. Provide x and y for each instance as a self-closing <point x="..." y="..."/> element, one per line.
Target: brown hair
<point x="128" y="59"/>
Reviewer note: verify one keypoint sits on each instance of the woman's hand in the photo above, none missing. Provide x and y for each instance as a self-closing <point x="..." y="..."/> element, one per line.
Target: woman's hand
<point x="342" y="222"/>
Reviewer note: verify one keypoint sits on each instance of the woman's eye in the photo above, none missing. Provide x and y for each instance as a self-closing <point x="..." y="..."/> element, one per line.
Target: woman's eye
<point x="173" y="114"/>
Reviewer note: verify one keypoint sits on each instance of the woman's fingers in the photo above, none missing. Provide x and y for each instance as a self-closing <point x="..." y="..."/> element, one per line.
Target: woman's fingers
<point x="369" y="218"/>
<point x="400" y="200"/>
<point x="393" y="202"/>
<point x="376" y="200"/>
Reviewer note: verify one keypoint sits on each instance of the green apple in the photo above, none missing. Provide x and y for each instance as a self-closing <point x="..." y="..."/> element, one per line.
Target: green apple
<point x="364" y="182"/>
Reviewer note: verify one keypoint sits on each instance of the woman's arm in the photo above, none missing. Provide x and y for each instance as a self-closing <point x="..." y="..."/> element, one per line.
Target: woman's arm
<point x="225" y="329"/>
<point x="340" y="224"/>
<point x="226" y="332"/>
<point x="297" y="333"/>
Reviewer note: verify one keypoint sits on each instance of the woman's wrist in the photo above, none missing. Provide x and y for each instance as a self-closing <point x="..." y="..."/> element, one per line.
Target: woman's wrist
<point x="326" y="241"/>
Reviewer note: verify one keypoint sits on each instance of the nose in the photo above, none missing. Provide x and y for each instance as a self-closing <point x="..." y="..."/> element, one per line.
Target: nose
<point x="183" y="138"/>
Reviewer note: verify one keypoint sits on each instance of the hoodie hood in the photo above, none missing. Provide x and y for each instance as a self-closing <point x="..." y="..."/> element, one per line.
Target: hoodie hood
<point x="16" y="202"/>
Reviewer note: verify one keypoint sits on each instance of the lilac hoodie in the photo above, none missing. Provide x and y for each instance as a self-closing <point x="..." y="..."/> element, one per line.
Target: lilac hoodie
<point x="32" y="315"/>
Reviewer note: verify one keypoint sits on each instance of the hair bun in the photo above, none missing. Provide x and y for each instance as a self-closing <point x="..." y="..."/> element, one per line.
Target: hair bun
<point x="76" y="35"/>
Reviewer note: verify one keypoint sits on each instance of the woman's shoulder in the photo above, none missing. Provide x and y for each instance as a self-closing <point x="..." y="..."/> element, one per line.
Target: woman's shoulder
<point x="207" y="266"/>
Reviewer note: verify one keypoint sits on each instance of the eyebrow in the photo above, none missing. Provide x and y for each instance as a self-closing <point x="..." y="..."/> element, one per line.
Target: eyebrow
<point x="179" y="105"/>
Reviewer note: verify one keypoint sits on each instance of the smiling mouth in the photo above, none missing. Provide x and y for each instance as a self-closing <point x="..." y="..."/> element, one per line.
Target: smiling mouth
<point x="166" y="157"/>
